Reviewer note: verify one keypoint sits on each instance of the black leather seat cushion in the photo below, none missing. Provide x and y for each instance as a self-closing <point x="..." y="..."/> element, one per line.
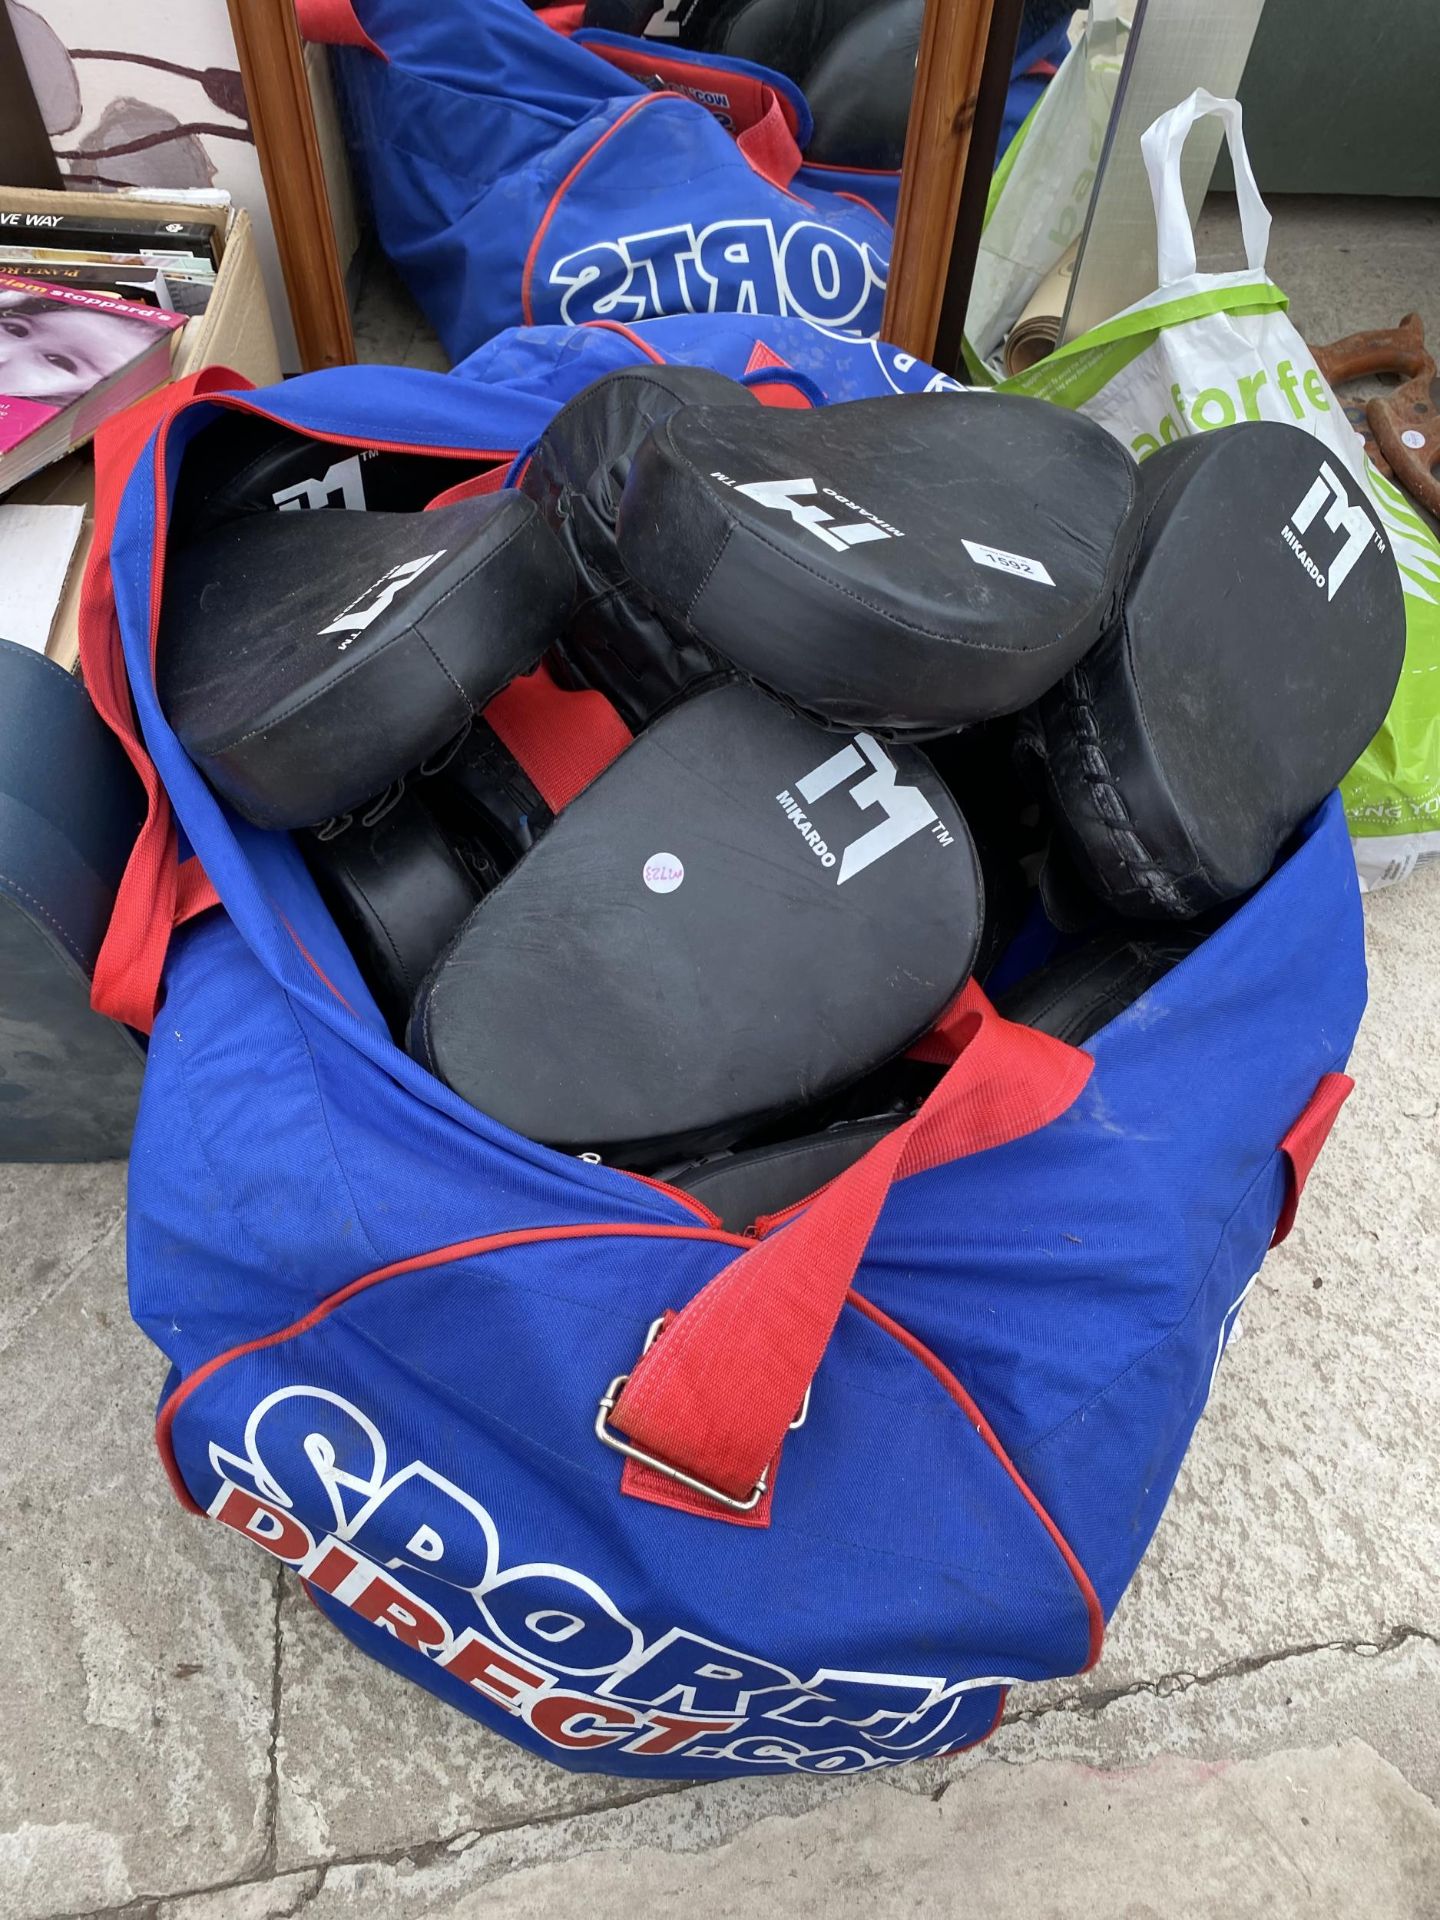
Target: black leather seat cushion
<point x="307" y="661"/>
<point x="1254" y="658"/>
<point x="741" y="915"/>
<point x="576" y="476"/>
<point x="910" y="564"/>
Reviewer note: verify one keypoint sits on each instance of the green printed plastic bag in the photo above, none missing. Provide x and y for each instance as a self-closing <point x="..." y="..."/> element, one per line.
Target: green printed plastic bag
<point x="1206" y="350"/>
<point x="1042" y="187"/>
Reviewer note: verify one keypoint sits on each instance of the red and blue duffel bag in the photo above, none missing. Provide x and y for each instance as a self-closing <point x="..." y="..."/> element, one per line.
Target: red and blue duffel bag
<point x="889" y="1454"/>
<point x="511" y="172"/>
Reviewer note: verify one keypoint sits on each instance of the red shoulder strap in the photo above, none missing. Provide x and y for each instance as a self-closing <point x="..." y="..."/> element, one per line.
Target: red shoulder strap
<point x="563" y="738"/>
<point x="156" y="893"/>
<point x="714" y="1395"/>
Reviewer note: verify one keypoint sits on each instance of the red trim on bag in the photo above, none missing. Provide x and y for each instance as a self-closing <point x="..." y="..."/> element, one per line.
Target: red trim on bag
<point x="697" y="1207"/>
<point x="527" y="310"/>
<point x="528" y="1236"/>
<point x="562" y="737"/>
<point x="564" y="19"/>
<point x="1094" y="1612"/>
<point x="619" y="326"/>
<point x="748" y="100"/>
<point x="1301" y="1145"/>
<point x="314" y="965"/>
<point x="965" y="1746"/>
<point x="333" y="23"/>
<point x="155" y="895"/>
<point x="843" y="193"/>
<point x="417" y="1263"/>
<point x="475" y="488"/>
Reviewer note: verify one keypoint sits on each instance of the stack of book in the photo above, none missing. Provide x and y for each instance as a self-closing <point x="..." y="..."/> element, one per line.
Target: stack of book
<point x="162" y="263"/>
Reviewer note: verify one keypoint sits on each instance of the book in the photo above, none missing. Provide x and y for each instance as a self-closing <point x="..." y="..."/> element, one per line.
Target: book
<point x="109" y="233"/>
<point x="21" y="260"/>
<point x="37" y="551"/>
<point x="148" y="285"/>
<point x="68" y="360"/>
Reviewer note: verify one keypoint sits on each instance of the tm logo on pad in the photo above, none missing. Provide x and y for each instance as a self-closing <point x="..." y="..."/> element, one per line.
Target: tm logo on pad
<point x="1342" y="515"/>
<point x="906" y="810"/>
<point x="792" y="497"/>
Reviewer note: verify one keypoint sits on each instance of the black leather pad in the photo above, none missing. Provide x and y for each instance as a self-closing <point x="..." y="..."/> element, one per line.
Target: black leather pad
<point x="1073" y="997"/>
<point x="742" y="914"/>
<point x="398" y="893"/>
<point x="486" y="801"/>
<point x="745" y="1186"/>
<point x="615" y="640"/>
<point x="1254" y="658"/>
<point x="910" y="564"/>
<point x="307" y="661"/>
<point x="788" y="35"/>
<point x="859" y="89"/>
<point x="242" y="464"/>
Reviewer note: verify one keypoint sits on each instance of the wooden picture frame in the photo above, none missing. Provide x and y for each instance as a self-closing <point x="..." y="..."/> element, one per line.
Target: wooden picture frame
<point x="282" y="117"/>
<point x="962" y="74"/>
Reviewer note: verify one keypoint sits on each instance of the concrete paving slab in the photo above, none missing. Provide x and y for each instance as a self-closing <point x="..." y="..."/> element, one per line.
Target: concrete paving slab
<point x="367" y="1763"/>
<point x="1333" y="1831"/>
<point x="135" y="1689"/>
<point x="1346" y="264"/>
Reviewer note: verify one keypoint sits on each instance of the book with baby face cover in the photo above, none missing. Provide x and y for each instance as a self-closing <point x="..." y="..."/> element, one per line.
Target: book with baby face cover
<point x="69" y="359"/>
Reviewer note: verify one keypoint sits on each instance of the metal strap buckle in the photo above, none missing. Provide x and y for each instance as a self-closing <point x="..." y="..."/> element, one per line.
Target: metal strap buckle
<point x="607" y="1437"/>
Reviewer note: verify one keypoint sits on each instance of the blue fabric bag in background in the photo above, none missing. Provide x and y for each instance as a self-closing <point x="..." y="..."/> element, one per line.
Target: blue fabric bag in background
<point x="511" y="171"/>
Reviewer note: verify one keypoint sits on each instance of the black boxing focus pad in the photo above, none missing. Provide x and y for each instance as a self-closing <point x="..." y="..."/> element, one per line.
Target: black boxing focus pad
<point x="398" y="892"/>
<point x="307" y="661"/>
<point x="859" y="89"/>
<point x="788" y="35"/>
<point x="243" y="464"/>
<point x="747" y="1185"/>
<point x="1253" y="660"/>
<point x="742" y="914"/>
<point x="1073" y="997"/>
<point x="576" y="476"/>
<point x="910" y="564"/>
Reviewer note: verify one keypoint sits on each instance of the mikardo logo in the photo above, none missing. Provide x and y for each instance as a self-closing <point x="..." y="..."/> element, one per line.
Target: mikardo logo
<point x="340" y="485"/>
<point x="906" y="809"/>
<point x="792" y="497"/>
<point x="1342" y="515"/>
<point x="372" y="603"/>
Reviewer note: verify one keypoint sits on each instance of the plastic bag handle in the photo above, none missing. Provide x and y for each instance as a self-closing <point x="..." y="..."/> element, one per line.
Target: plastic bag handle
<point x="1162" y="145"/>
<point x="714" y="1395"/>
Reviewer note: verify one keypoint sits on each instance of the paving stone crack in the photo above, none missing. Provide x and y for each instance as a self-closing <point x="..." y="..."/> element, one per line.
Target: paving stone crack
<point x="271" y="1811"/>
<point x="421" y="1854"/>
<point x="1170" y="1684"/>
<point x="428" y="1853"/>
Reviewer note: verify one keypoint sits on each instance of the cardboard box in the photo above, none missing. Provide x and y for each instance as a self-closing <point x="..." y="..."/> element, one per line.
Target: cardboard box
<point x="235" y="331"/>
